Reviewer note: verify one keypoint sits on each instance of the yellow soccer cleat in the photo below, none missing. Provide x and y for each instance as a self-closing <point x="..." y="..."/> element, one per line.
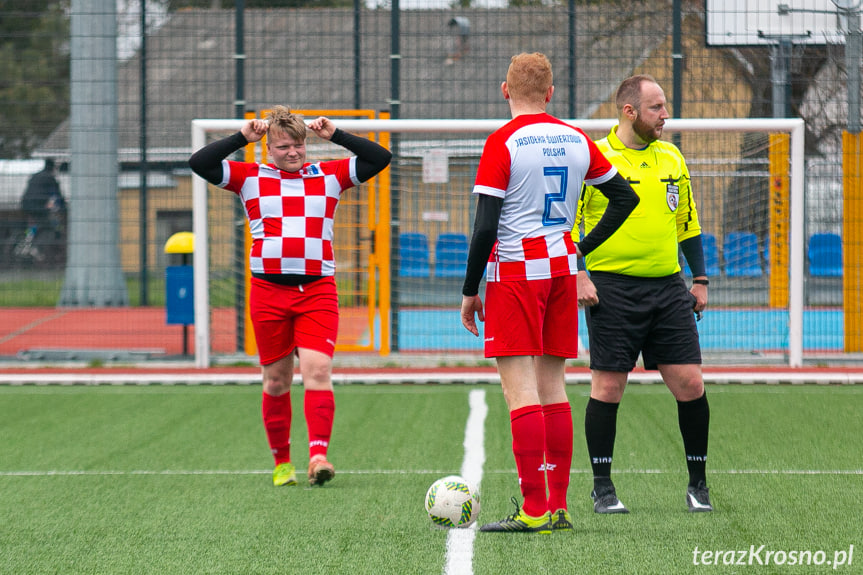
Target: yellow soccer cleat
<point x="284" y="474"/>
<point x="520" y="522"/>
<point x="561" y="521"/>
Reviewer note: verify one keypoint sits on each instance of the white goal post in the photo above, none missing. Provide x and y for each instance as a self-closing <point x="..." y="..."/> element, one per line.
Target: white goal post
<point x="792" y="126"/>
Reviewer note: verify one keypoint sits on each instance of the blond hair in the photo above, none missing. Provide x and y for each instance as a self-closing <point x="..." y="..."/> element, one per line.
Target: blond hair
<point x="284" y="121"/>
<point x="529" y="77"/>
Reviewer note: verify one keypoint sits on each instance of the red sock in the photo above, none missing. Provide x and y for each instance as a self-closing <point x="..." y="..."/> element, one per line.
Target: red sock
<point x="320" y="408"/>
<point x="277" y="423"/>
<point x="558" y="452"/>
<point x="528" y="446"/>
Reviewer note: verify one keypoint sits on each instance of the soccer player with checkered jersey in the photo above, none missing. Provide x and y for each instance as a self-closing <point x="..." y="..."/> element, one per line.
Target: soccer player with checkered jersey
<point x="290" y="204"/>
<point x="527" y="185"/>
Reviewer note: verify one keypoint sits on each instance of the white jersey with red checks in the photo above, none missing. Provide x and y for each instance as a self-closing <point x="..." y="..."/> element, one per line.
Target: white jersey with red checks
<point x="291" y="214"/>
<point x="537" y="164"/>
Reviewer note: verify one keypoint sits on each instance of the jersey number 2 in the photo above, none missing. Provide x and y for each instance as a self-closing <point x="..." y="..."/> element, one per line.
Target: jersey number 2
<point x="559" y="196"/>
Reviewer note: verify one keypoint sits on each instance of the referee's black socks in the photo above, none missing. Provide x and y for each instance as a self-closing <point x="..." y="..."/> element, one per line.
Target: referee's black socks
<point x="694" y="420"/>
<point x="600" y="428"/>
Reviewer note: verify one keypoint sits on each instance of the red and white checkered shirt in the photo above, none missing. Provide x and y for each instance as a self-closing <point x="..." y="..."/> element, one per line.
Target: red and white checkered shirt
<point x="537" y="164"/>
<point x="291" y="214"/>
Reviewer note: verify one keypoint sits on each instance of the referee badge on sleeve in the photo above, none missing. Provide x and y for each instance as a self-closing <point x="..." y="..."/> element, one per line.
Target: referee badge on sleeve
<point x="672" y="196"/>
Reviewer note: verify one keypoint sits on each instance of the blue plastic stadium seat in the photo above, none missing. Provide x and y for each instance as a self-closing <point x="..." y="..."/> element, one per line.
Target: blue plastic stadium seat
<point x="825" y="255"/>
<point x="413" y="255"/>
<point x="451" y="256"/>
<point x="711" y="256"/>
<point x="742" y="257"/>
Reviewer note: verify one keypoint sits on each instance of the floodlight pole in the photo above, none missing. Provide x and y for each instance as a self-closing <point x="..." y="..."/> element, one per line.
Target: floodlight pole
<point x="142" y="193"/>
<point x="780" y="66"/>
<point x="395" y="195"/>
<point x="573" y="59"/>
<point x="676" y="65"/>
<point x="239" y="228"/>
<point x="853" y="56"/>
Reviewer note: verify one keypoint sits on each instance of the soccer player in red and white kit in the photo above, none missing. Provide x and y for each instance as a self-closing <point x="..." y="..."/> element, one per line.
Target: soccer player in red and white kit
<point x="527" y="186"/>
<point x="290" y="205"/>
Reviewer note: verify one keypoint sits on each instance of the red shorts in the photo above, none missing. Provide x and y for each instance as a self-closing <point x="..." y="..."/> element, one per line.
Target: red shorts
<point x="533" y="317"/>
<point x="287" y="317"/>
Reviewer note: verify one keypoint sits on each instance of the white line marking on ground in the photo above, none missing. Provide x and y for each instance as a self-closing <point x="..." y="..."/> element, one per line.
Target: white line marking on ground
<point x="25" y="328"/>
<point x="791" y="472"/>
<point x="99" y="472"/>
<point x="719" y="379"/>
<point x="71" y="473"/>
<point x="433" y="472"/>
<point x="459" y="542"/>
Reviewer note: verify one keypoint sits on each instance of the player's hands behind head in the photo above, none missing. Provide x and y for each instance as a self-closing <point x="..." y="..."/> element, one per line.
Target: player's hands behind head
<point x="323" y="127"/>
<point x="254" y="130"/>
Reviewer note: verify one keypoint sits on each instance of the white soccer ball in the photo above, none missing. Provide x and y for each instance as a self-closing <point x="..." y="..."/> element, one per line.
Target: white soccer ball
<point x="452" y="501"/>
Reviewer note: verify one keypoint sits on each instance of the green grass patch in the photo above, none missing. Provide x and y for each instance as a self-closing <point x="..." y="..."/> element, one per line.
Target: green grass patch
<point x="163" y="479"/>
<point x="31" y="292"/>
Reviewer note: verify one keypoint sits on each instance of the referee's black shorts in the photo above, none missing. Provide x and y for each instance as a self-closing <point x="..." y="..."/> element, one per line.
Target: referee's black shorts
<point x="653" y="316"/>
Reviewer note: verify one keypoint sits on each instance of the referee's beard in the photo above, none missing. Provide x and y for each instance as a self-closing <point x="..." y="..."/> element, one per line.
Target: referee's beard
<point x="645" y="131"/>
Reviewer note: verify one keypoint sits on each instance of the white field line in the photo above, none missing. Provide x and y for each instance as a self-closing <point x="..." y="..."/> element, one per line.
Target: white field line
<point x="459" y="542"/>
<point x="431" y="472"/>
<point x="31" y="325"/>
<point x="132" y="379"/>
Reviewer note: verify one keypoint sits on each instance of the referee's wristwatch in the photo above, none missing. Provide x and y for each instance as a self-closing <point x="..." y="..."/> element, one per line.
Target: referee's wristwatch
<point x="703" y="282"/>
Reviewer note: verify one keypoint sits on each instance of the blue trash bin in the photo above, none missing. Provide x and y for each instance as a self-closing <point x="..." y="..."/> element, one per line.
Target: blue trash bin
<point x="180" y="295"/>
<point x="180" y="285"/>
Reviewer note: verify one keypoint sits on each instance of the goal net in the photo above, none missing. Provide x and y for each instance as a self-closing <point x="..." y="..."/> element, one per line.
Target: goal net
<point x="401" y="239"/>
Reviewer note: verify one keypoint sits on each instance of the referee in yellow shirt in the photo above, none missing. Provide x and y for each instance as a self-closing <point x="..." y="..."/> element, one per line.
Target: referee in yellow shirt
<point x="635" y="298"/>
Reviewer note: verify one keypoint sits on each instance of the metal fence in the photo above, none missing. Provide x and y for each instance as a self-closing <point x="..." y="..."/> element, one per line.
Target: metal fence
<point x="140" y="92"/>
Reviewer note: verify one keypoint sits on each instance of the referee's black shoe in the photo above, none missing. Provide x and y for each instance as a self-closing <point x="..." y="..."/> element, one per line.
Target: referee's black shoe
<point x="698" y="498"/>
<point x="605" y="501"/>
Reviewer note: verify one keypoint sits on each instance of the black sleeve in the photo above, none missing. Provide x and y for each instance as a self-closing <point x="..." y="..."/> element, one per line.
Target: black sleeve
<point x="371" y="156"/>
<point x="693" y="251"/>
<point x="207" y="162"/>
<point x="484" y="235"/>
<point x="622" y="199"/>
